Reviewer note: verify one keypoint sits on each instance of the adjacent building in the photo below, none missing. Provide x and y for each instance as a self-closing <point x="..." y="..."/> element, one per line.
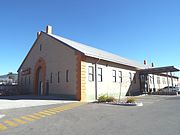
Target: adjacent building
<point x="9" y="79"/>
<point x="59" y="66"/>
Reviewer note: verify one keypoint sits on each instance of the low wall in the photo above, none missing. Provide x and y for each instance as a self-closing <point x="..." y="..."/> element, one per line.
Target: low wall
<point x="6" y="90"/>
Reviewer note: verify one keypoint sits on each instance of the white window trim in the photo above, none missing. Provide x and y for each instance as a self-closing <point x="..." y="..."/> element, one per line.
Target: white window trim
<point x="114" y="75"/>
<point x="100" y="79"/>
<point x="91" y="74"/>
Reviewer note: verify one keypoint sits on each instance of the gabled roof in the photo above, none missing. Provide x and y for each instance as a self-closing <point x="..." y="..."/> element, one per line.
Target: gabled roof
<point x="97" y="53"/>
<point x="91" y="52"/>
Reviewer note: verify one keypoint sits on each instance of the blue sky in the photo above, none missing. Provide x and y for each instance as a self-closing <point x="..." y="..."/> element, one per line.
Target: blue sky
<point x="134" y="29"/>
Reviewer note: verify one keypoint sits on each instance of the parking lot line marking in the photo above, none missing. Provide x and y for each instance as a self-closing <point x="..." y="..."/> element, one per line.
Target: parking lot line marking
<point x="57" y="109"/>
<point x="10" y="123"/>
<point x="34" y="117"/>
<point x="19" y="121"/>
<point x="45" y="113"/>
<point x="54" y="108"/>
<point x="2" y="127"/>
<point x="51" y="112"/>
<point x="27" y="118"/>
<point x="39" y="115"/>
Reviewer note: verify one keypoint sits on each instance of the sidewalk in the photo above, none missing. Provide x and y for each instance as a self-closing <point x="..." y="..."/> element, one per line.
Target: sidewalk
<point x="11" y="102"/>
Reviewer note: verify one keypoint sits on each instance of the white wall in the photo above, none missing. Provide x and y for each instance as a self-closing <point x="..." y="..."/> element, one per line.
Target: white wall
<point x="107" y="86"/>
<point x="162" y="83"/>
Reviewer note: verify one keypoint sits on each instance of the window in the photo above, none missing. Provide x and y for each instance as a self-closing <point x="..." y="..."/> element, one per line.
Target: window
<point x="67" y="75"/>
<point x="91" y="73"/>
<point x="130" y="77"/>
<point x="29" y="80"/>
<point x="158" y="80"/>
<point x="40" y="47"/>
<point x="21" y="80"/>
<point x="99" y="74"/>
<point x="134" y="79"/>
<point x="168" y="81"/>
<point x="25" y="81"/>
<point x="163" y="80"/>
<point x="150" y="79"/>
<point x="58" y="77"/>
<point x="142" y="78"/>
<point x="120" y="76"/>
<point x="114" y="75"/>
<point x="51" y="77"/>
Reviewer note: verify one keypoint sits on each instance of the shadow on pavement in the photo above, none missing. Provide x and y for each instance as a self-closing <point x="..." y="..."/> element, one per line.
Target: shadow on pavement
<point x="34" y="97"/>
<point x="174" y="98"/>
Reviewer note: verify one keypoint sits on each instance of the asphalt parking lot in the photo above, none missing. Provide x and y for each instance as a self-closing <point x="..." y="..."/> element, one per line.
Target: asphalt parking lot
<point x="158" y="116"/>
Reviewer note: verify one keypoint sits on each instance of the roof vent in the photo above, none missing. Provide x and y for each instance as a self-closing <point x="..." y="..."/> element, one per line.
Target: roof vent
<point x="38" y="33"/>
<point x="49" y="29"/>
<point x="152" y="64"/>
<point x="145" y="62"/>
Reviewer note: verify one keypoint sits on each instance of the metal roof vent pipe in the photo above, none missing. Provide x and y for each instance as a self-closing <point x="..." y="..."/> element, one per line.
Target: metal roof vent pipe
<point x="49" y="29"/>
<point x="38" y="33"/>
<point x="152" y="64"/>
<point x="145" y="62"/>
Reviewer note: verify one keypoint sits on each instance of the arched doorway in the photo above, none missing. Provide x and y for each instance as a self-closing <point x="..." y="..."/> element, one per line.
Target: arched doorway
<point x="40" y="77"/>
<point x="40" y="81"/>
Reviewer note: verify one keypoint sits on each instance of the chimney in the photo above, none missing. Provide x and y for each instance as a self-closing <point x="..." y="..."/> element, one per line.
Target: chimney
<point x="145" y="62"/>
<point x="49" y="29"/>
<point x="152" y="64"/>
<point x="38" y="33"/>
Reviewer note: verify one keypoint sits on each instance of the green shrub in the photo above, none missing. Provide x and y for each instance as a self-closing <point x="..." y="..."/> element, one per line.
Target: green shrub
<point x="111" y="99"/>
<point x="131" y="100"/>
<point x="105" y="98"/>
<point x="102" y="98"/>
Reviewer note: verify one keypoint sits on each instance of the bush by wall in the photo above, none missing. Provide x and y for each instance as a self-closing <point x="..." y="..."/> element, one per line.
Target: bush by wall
<point x="105" y="98"/>
<point x="131" y="100"/>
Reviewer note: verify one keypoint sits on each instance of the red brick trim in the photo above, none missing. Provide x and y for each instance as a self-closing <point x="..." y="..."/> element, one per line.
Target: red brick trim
<point x="39" y="64"/>
<point x="80" y="78"/>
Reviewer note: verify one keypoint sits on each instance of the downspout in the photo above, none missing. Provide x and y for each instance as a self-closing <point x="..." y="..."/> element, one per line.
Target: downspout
<point x="96" y="78"/>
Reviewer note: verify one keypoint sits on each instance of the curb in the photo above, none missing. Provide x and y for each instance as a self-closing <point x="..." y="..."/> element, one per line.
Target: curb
<point x="129" y="104"/>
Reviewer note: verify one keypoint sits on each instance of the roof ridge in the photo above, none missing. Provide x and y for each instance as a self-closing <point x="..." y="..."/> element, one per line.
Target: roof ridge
<point x="98" y="53"/>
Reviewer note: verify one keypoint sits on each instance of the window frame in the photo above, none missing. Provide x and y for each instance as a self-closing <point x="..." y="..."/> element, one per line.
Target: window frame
<point x="158" y="80"/>
<point x="100" y="79"/>
<point x="29" y="80"/>
<point x="130" y="77"/>
<point x="164" y="80"/>
<point x="91" y="74"/>
<point x="25" y="80"/>
<point x="40" y="47"/>
<point x="21" y="80"/>
<point x="67" y="75"/>
<point x="120" y="76"/>
<point x="134" y="78"/>
<point x="114" y="75"/>
<point x="58" y="76"/>
<point x="51" y="77"/>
